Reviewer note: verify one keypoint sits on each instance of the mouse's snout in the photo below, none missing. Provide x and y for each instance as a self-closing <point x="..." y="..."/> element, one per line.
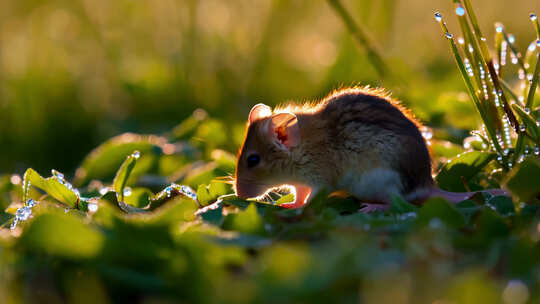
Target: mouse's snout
<point x="248" y="190"/>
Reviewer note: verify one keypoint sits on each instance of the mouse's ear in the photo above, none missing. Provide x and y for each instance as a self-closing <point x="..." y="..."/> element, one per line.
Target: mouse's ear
<point x="259" y="111"/>
<point x="284" y="129"/>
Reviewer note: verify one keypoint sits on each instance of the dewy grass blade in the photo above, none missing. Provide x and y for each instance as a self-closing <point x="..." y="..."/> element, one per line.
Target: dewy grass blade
<point x="500" y="50"/>
<point x="530" y="96"/>
<point x="484" y="83"/>
<point x="536" y="73"/>
<point x="488" y="62"/>
<point x="461" y="66"/>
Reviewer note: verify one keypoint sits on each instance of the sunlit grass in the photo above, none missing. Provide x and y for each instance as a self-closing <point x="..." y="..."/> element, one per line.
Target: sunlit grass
<point x="509" y="120"/>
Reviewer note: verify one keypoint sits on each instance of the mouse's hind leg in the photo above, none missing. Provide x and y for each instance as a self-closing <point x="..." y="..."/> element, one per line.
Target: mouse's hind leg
<point x="374" y="187"/>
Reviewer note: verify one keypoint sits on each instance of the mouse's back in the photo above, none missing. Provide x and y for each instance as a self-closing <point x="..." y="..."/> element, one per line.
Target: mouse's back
<point x="369" y="124"/>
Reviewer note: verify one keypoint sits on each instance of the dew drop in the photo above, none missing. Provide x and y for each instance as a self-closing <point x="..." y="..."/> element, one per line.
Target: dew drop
<point x="187" y="191"/>
<point x="538" y="43"/>
<point x="533" y="17"/>
<point x="461" y="41"/>
<point x="527" y="110"/>
<point x="136" y="154"/>
<point x="23" y="213"/>
<point x="460" y="11"/>
<point x="516" y="292"/>
<point x="66" y="210"/>
<point x="13" y="224"/>
<point x="499" y="28"/>
<point x="537" y="150"/>
<point x="408" y="215"/>
<point x="127" y="191"/>
<point x="438" y="17"/>
<point x="57" y="174"/>
<point x="427" y="133"/>
<point x="15" y="179"/>
<point x="522" y="128"/>
<point x="31" y="203"/>
<point x="449" y="36"/>
<point x="435" y="223"/>
<point x="103" y="190"/>
<point x="92" y="207"/>
<point x="532" y="46"/>
<point x="514" y="59"/>
<point x="521" y="74"/>
<point x="511" y="39"/>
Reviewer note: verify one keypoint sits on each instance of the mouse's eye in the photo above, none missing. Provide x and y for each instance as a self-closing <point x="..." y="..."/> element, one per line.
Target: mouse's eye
<point x="253" y="160"/>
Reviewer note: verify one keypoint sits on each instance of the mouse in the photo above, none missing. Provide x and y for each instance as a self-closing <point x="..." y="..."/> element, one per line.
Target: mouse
<point x="356" y="140"/>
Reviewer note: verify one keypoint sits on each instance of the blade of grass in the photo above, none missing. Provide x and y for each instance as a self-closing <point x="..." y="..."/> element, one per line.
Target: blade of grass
<point x="484" y="84"/>
<point x="499" y="38"/>
<point x="530" y="96"/>
<point x="358" y="33"/>
<point x="536" y="73"/>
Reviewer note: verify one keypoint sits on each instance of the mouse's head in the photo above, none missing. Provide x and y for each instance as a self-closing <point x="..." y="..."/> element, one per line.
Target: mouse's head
<point x="264" y="161"/>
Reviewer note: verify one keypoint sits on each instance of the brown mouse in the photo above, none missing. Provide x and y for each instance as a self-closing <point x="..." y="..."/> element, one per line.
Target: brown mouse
<point x="356" y="140"/>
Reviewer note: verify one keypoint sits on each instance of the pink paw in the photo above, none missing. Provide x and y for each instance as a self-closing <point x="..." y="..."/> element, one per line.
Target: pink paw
<point x="367" y="208"/>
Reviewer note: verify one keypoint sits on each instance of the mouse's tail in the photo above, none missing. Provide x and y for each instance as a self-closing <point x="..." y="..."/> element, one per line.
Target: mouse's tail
<point x="419" y="196"/>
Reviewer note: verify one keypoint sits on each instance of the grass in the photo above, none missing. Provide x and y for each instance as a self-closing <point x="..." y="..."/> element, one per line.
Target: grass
<point x="483" y="78"/>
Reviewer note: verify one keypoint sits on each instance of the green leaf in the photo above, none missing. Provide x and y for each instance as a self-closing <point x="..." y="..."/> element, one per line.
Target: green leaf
<point x="443" y="148"/>
<point x="140" y="197"/>
<point x="102" y="162"/>
<point x="123" y="173"/>
<point x="289" y="198"/>
<point x="187" y="128"/>
<point x="441" y="209"/>
<point x="503" y="204"/>
<point x="399" y="205"/>
<point x="208" y="194"/>
<point x="177" y="210"/>
<point x="462" y="168"/>
<point x="218" y="188"/>
<point x="203" y="195"/>
<point x="246" y="221"/>
<point x="213" y="216"/>
<point x="62" y="235"/>
<point x="524" y="180"/>
<point x="54" y="186"/>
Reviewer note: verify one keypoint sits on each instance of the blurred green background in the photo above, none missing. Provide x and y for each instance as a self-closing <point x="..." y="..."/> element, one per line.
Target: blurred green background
<point x="76" y="72"/>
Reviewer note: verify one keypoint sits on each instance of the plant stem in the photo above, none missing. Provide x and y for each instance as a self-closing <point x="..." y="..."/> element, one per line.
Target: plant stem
<point x="360" y="37"/>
